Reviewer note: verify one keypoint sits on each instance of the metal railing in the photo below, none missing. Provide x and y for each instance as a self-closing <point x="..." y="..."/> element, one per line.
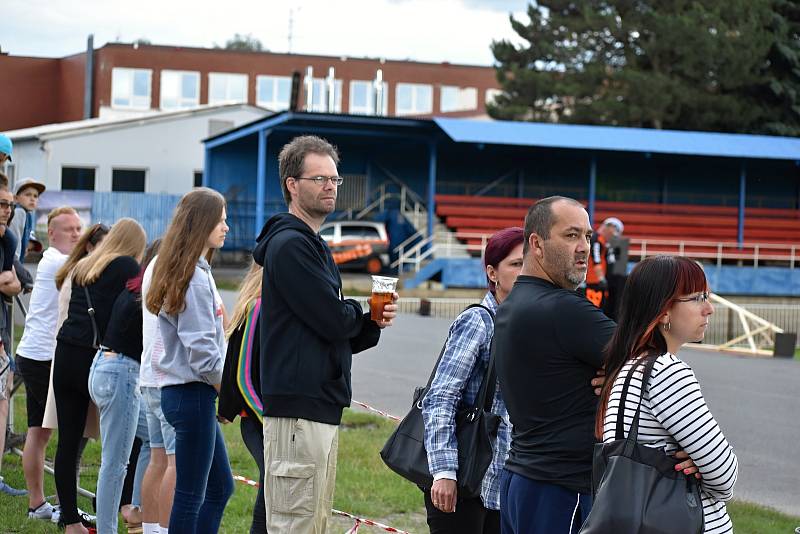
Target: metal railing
<point x="717" y="251"/>
<point x="409" y="202"/>
<point x="749" y="252"/>
<point x="17" y="383"/>
<point x="446" y="245"/>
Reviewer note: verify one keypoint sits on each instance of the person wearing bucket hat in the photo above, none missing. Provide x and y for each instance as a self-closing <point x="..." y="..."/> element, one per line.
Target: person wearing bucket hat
<point x="6" y="148"/>
<point x="27" y="193"/>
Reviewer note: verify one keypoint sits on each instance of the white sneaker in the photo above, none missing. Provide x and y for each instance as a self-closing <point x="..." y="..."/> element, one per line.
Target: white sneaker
<point x="43" y="511"/>
<point x="84" y="516"/>
<point x="55" y="514"/>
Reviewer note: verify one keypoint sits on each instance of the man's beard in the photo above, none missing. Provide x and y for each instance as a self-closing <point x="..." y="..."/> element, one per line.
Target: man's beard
<point x="566" y="270"/>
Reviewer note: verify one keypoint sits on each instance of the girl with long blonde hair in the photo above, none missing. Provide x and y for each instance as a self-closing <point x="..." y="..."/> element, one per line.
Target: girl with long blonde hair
<point x="240" y="393"/>
<point x="97" y="280"/>
<point x="183" y="294"/>
<point x="114" y="388"/>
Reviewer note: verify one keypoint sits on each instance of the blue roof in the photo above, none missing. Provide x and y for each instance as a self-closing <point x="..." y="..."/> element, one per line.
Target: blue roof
<point x="620" y="139"/>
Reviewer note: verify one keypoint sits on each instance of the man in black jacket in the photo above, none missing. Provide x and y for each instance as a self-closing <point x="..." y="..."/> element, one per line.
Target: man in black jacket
<point x="309" y="333"/>
<point x="549" y="343"/>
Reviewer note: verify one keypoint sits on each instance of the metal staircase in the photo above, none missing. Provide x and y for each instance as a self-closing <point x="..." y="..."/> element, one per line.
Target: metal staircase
<point x="418" y="248"/>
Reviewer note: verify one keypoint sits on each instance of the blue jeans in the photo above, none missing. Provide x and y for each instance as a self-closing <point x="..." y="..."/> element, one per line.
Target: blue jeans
<point x="528" y="506"/>
<point x="143" y="434"/>
<point x="204" y="482"/>
<point x="114" y="388"/>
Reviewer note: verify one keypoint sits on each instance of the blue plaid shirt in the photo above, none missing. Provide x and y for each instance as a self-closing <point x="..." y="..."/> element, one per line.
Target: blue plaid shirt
<point x="457" y="381"/>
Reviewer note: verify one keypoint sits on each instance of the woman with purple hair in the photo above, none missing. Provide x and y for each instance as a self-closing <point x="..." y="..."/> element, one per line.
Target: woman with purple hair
<point x="463" y="365"/>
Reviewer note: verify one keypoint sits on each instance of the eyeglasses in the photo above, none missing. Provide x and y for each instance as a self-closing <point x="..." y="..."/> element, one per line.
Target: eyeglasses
<point x="4" y="204"/>
<point x="320" y="180"/>
<point x="700" y="298"/>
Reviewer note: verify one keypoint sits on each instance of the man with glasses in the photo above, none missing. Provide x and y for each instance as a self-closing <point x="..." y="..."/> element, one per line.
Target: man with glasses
<point x="9" y="287"/>
<point x="309" y="333"/>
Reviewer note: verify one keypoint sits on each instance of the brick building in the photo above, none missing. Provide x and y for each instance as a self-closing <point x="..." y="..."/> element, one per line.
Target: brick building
<point x="119" y="79"/>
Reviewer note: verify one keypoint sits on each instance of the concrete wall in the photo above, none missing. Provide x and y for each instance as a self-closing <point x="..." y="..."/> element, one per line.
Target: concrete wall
<point x="170" y="151"/>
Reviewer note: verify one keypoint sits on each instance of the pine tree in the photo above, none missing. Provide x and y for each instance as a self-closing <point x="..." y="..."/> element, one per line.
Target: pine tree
<point x="721" y="65"/>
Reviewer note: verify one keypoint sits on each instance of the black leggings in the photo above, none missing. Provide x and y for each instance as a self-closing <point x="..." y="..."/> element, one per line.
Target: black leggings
<point x="71" y="390"/>
<point x="253" y="436"/>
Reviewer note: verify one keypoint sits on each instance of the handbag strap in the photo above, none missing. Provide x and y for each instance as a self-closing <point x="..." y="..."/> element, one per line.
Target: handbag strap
<point x="444" y="346"/>
<point x="90" y="310"/>
<point x="633" y="434"/>
<point x="485" y="395"/>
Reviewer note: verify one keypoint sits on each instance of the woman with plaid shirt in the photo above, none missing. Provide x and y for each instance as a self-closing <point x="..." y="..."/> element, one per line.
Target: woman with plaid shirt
<point x="458" y="378"/>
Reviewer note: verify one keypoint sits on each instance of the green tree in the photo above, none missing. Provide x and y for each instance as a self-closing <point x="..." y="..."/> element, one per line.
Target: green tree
<point x="721" y="65"/>
<point x="241" y="41"/>
<point x="782" y="92"/>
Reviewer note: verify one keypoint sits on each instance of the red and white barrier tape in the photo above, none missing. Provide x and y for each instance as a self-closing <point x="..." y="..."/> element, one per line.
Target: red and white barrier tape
<point x="247" y="481"/>
<point x="370" y="408"/>
<point x="359" y="520"/>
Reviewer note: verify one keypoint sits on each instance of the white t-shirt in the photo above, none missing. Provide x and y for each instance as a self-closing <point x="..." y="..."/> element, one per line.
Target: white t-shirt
<point x="152" y="346"/>
<point x="39" y="338"/>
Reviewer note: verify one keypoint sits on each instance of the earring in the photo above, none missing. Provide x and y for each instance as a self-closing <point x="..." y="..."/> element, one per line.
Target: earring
<point x="667" y="326"/>
<point x="497" y="284"/>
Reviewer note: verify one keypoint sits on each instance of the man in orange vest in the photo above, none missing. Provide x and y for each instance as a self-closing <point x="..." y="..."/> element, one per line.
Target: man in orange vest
<point x="601" y="260"/>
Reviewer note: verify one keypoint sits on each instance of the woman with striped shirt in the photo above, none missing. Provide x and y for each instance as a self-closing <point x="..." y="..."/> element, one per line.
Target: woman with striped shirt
<point x="665" y="305"/>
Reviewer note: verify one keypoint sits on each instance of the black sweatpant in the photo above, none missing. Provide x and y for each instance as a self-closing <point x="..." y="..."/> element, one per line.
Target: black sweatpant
<point x="470" y="517"/>
<point x="71" y="390"/>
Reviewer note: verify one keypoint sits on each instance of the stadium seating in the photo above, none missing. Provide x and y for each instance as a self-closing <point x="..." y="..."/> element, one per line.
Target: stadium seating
<point x="699" y="231"/>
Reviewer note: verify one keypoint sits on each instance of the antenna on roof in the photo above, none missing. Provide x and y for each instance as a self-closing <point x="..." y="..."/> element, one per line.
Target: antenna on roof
<point x="290" y="35"/>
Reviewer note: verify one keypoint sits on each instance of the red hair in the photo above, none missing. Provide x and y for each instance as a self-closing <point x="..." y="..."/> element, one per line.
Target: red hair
<point x="499" y="247"/>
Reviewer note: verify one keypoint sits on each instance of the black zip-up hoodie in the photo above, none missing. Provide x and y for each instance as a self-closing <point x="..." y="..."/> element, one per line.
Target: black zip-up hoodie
<point x="308" y="331"/>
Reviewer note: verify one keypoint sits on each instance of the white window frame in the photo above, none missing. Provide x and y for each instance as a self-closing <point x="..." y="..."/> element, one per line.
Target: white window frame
<point x="226" y="76"/>
<point x="274" y="104"/>
<point x="125" y="88"/>
<point x="466" y="98"/>
<point x="415" y="108"/>
<point x="321" y="92"/>
<point x="369" y="109"/>
<point x="182" y="101"/>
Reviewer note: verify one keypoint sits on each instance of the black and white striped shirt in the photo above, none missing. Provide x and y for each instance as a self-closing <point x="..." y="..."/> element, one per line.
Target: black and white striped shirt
<point x="675" y="417"/>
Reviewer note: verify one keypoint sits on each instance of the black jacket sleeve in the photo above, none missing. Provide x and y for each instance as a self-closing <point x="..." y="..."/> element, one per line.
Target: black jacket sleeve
<point x="368" y="337"/>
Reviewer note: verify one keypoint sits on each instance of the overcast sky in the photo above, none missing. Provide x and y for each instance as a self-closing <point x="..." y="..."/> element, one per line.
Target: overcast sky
<point x="458" y="31"/>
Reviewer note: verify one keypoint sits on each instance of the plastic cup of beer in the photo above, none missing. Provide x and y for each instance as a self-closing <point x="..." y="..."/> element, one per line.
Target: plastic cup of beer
<point x="383" y="288"/>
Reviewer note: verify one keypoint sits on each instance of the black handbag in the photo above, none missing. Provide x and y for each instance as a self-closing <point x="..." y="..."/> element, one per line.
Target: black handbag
<point x="476" y="432"/>
<point x="636" y="489"/>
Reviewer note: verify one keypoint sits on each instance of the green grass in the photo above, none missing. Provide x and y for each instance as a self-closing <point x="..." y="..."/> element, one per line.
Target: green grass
<point x="753" y="519"/>
<point x="364" y="486"/>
